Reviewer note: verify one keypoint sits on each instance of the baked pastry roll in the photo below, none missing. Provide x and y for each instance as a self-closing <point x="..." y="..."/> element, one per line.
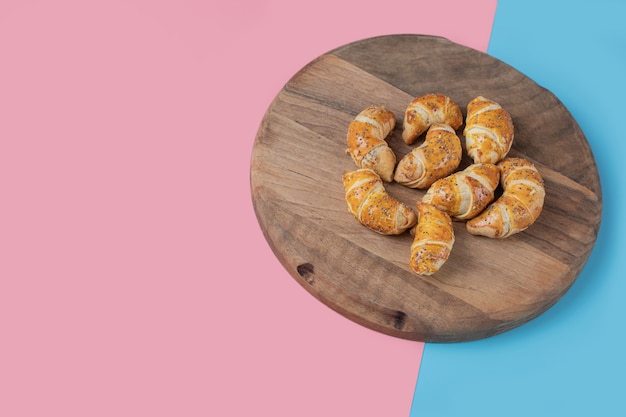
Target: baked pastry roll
<point x="439" y="156"/>
<point x="488" y="131"/>
<point x="366" y="141"/>
<point x="433" y="240"/>
<point x="426" y="110"/>
<point x="519" y="205"/>
<point x="373" y="207"/>
<point x="464" y="194"/>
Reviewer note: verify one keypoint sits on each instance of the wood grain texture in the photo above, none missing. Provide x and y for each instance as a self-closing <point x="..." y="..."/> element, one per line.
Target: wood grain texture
<point x="487" y="286"/>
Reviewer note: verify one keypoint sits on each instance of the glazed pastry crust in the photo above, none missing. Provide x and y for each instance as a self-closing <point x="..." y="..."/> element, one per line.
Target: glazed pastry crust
<point x="433" y="240"/>
<point x="518" y="207"/>
<point x="373" y="207"/>
<point x="426" y="110"/>
<point x="488" y="131"/>
<point x="366" y="141"/>
<point x="465" y="194"/>
<point x="437" y="157"/>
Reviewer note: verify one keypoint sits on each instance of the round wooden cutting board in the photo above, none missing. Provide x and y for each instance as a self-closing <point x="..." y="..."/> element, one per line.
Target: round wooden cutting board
<point x="487" y="286"/>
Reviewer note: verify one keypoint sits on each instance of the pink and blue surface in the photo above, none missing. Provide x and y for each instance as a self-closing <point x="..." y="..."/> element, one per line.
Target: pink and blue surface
<point x="134" y="278"/>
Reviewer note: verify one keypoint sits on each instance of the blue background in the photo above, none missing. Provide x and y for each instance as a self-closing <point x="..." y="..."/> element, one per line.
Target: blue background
<point x="571" y="360"/>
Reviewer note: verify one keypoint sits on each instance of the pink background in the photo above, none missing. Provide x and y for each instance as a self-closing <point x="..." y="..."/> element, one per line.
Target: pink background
<point x="134" y="279"/>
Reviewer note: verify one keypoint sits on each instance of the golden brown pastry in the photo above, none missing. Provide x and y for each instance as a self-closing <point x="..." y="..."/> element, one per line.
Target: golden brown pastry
<point x="488" y="131"/>
<point x="373" y="207"/>
<point x="433" y="240"/>
<point x="437" y="157"/>
<point x="427" y="110"/>
<point x="466" y="193"/>
<point x="366" y="141"/>
<point x="518" y="207"/>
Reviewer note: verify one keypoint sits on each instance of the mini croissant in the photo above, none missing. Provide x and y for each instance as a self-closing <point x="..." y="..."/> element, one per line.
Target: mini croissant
<point x="366" y="141"/>
<point x="427" y="110"/>
<point x="466" y="193"/>
<point x="433" y="240"/>
<point x="488" y="131"/>
<point x="437" y="157"/>
<point x="518" y="207"/>
<point x="373" y="207"/>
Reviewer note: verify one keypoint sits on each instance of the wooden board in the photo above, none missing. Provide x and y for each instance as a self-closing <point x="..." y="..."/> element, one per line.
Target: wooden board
<point x="487" y="286"/>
